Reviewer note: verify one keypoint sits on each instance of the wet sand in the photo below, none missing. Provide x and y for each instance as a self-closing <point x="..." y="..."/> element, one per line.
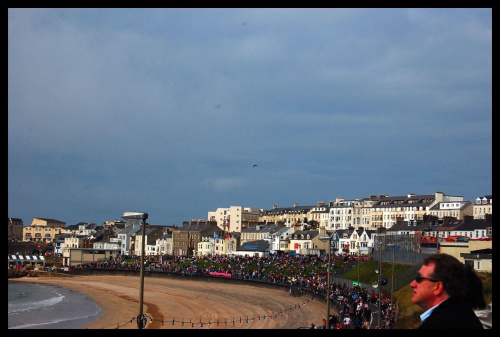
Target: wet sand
<point x="190" y="304"/>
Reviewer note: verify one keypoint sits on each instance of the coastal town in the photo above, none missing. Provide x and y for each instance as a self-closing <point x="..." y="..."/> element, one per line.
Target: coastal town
<point x="250" y="168"/>
<point x="421" y="223"/>
<point x="344" y="233"/>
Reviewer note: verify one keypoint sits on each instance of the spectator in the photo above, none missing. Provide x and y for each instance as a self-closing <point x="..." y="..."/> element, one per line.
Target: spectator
<point x="331" y="321"/>
<point x="347" y="322"/>
<point x="367" y="313"/>
<point x="440" y="289"/>
<point x="356" y="323"/>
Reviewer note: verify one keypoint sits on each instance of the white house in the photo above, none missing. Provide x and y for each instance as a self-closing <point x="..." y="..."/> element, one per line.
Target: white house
<point x="280" y="240"/>
<point x="106" y="244"/>
<point x="124" y="238"/>
<point x="164" y="244"/>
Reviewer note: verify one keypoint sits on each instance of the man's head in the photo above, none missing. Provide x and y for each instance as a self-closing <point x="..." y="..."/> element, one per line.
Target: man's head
<point x="440" y="277"/>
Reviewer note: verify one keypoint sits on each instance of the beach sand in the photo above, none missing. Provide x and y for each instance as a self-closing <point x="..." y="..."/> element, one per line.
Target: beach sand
<point x="184" y="300"/>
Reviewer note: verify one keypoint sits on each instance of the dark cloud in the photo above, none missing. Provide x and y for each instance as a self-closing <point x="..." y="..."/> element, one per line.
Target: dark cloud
<point x="166" y="110"/>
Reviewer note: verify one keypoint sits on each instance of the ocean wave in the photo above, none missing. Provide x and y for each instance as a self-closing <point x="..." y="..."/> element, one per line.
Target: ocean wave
<point x="54" y="321"/>
<point x="27" y="306"/>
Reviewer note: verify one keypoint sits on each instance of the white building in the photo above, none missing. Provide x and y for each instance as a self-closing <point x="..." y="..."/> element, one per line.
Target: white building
<point x="124" y="237"/>
<point x="341" y="213"/>
<point x="106" y="245"/>
<point x="454" y="209"/>
<point x="164" y="245"/>
<point x="280" y="240"/>
<point x="482" y="206"/>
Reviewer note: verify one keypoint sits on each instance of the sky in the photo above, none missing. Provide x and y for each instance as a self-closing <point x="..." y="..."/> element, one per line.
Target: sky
<point x="166" y="111"/>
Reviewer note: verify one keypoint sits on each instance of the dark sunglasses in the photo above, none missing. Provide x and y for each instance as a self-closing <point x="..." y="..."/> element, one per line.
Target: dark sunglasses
<point x="419" y="278"/>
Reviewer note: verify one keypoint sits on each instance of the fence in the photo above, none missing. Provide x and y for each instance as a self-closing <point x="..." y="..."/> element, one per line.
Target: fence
<point x="402" y="249"/>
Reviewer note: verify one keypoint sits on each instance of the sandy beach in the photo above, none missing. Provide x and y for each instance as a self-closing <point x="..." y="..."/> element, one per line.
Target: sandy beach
<point x="190" y="304"/>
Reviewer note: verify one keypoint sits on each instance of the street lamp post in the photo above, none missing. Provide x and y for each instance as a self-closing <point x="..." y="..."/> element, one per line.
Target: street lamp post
<point x="328" y="238"/>
<point x="136" y="217"/>
<point x="392" y="275"/>
<point x="379" y="283"/>
<point x="358" y="268"/>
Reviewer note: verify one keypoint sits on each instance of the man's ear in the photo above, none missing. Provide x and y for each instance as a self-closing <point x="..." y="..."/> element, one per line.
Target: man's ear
<point x="438" y="288"/>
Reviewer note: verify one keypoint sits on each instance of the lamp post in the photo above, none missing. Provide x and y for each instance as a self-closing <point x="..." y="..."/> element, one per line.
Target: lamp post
<point x="135" y="217"/>
<point x="324" y="239"/>
<point x="392" y="275"/>
<point x="358" y="267"/>
<point x="379" y="284"/>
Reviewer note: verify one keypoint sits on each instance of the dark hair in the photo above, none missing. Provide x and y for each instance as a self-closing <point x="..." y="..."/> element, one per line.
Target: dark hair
<point x="450" y="271"/>
<point x="474" y="293"/>
<point x="459" y="280"/>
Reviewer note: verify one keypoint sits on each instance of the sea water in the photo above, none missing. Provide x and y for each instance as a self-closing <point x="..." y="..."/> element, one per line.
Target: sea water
<point x="36" y="306"/>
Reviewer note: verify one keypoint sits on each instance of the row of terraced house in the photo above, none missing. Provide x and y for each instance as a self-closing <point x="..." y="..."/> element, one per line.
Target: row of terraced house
<point x="353" y="225"/>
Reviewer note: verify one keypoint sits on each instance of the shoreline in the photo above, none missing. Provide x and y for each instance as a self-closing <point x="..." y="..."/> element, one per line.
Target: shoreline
<point x="185" y="304"/>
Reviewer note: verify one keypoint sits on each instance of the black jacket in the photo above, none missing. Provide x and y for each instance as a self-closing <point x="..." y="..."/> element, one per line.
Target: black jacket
<point x="452" y="314"/>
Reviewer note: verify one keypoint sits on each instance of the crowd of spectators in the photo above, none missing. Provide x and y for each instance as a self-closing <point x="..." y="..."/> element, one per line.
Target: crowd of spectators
<point x="354" y="311"/>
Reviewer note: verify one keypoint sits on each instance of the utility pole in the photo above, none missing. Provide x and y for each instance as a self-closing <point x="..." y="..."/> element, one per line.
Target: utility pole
<point x="379" y="283"/>
<point x="135" y="217"/>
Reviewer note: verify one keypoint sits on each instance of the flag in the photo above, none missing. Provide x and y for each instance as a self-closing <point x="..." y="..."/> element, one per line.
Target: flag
<point x="227" y="236"/>
<point x="215" y="235"/>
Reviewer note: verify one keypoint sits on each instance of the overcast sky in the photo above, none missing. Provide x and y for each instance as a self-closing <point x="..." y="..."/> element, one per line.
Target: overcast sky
<point x="166" y="111"/>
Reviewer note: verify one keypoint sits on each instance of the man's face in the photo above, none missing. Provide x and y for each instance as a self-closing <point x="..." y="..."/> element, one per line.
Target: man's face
<point x="423" y="292"/>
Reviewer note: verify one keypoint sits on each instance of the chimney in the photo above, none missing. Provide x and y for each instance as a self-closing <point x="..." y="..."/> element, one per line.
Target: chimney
<point x="468" y="218"/>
